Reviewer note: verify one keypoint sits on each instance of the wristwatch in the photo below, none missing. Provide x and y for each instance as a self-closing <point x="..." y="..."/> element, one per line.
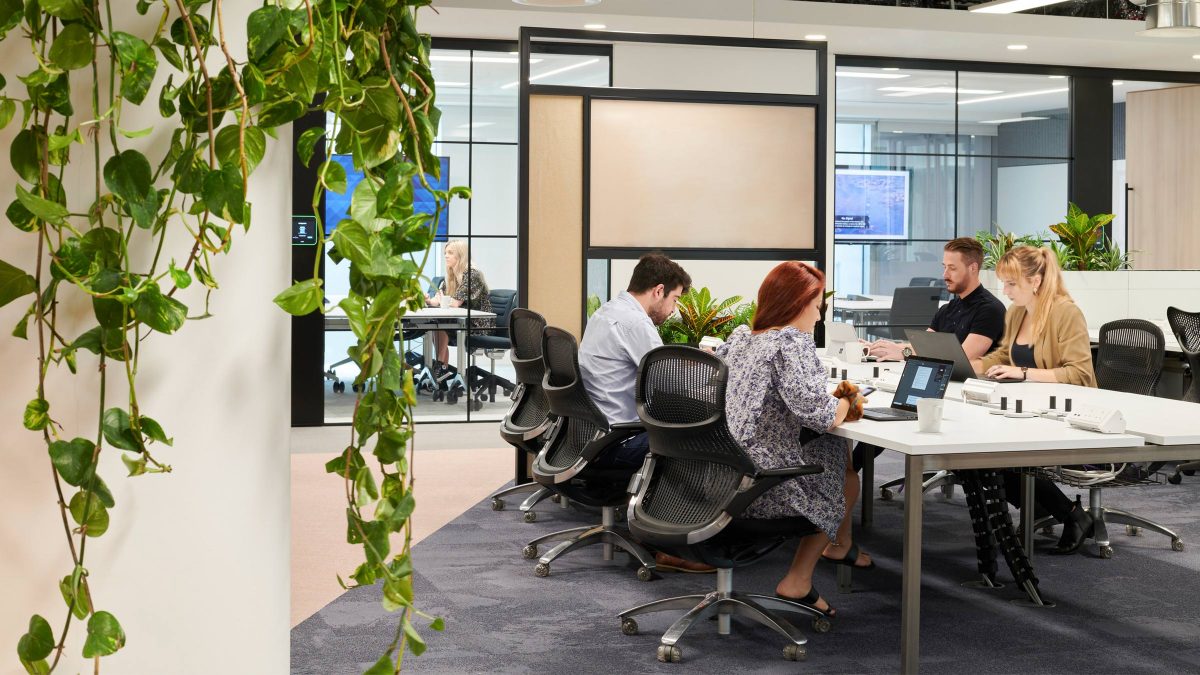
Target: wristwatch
<point x="1024" y="374"/>
<point x="906" y="352"/>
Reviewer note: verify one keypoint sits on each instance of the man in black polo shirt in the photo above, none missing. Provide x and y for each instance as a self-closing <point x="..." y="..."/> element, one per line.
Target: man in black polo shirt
<point x="975" y="316"/>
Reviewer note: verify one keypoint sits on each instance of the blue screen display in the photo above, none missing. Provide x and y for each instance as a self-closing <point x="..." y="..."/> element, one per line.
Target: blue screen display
<point x="336" y="205"/>
<point x="870" y="204"/>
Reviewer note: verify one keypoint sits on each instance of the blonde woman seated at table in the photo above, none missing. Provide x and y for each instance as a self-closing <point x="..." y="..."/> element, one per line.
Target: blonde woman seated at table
<point x="776" y="397"/>
<point x="463" y="286"/>
<point x="1045" y="340"/>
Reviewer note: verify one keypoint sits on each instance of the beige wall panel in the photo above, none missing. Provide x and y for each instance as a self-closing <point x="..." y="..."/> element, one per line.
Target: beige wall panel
<point x="556" y="209"/>
<point x="1162" y="151"/>
<point x="642" y="65"/>
<point x="701" y="175"/>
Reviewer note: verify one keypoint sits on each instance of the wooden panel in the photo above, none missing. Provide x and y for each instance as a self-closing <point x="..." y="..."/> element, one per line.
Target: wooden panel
<point x="556" y="210"/>
<point x="1162" y="151"/>
<point x="701" y="175"/>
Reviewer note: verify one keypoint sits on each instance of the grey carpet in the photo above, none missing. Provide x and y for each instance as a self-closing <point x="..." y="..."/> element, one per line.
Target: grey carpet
<point x="1135" y="613"/>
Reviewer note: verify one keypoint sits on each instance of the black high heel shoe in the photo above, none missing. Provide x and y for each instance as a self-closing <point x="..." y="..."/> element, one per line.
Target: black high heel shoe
<point x="1078" y="528"/>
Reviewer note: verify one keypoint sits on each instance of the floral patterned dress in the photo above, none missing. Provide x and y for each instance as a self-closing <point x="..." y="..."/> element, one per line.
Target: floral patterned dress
<point x="776" y="390"/>
<point x="473" y="292"/>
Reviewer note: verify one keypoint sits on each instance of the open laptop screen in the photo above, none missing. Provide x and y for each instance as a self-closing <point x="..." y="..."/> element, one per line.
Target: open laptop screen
<point x="923" y="377"/>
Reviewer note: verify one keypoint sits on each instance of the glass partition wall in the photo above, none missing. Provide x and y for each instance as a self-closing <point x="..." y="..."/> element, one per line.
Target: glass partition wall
<point x="478" y="144"/>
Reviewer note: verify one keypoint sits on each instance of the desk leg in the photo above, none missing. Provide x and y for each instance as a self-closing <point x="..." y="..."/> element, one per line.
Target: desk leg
<point x="1027" y="509"/>
<point x="462" y="361"/>
<point x="910" y="604"/>
<point x="867" y="493"/>
<point x="427" y="350"/>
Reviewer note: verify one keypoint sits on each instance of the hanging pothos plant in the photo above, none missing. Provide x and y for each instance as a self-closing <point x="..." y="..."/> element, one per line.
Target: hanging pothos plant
<point x="366" y="61"/>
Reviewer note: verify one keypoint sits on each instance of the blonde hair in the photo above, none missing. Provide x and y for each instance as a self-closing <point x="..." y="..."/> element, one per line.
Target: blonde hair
<point x="1028" y="262"/>
<point x="454" y="275"/>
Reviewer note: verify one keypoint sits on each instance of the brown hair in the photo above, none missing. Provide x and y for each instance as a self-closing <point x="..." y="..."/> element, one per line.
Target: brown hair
<point x="1028" y="262"/>
<point x="786" y="291"/>
<point x="971" y="250"/>
<point x="655" y="268"/>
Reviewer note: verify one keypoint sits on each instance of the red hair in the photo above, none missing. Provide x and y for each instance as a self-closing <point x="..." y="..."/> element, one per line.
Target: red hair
<point x="784" y="294"/>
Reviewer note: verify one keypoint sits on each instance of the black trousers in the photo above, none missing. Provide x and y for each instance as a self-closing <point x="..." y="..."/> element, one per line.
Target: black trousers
<point x="1048" y="498"/>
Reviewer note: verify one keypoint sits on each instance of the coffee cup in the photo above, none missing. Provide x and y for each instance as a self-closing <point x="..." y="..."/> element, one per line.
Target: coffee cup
<point x="929" y="414"/>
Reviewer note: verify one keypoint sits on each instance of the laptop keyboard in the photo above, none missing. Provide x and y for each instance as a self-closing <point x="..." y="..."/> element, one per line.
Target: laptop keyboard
<point x="889" y="413"/>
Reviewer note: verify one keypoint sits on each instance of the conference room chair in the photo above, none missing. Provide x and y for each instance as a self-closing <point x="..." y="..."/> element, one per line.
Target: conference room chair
<point x="528" y="419"/>
<point x="1186" y="327"/>
<point x="690" y="496"/>
<point x="935" y="282"/>
<point x="567" y="464"/>
<point x="912" y="307"/>
<point x="1129" y="359"/>
<point x="495" y="347"/>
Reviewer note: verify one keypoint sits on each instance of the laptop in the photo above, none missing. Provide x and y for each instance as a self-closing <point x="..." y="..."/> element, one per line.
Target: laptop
<point x="945" y="346"/>
<point x="923" y="377"/>
<point x="838" y="338"/>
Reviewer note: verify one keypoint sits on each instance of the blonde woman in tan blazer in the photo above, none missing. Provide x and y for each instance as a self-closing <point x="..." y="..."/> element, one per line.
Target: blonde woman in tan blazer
<point x="1045" y="340"/>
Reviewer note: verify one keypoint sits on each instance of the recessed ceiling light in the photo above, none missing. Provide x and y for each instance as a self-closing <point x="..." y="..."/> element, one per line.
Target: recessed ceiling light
<point x="1058" y="77"/>
<point x="1009" y="120"/>
<point x="891" y="69"/>
<point x="443" y="83"/>
<point x="1020" y="94"/>
<point x="1011" y="6"/>
<point x="815" y="36"/>
<point x="594" y="26"/>
<point x="1117" y="83"/>
<point x="871" y="76"/>
<point x="1196" y="56"/>
<point x="455" y="58"/>
<point x="1017" y="48"/>
<point x="556" y="71"/>
<point x="918" y="91"/>
<point x="896" y="131"/>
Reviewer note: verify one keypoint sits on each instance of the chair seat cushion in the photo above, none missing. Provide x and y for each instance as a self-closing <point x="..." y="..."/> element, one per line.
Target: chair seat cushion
<point x="488" y="342"/>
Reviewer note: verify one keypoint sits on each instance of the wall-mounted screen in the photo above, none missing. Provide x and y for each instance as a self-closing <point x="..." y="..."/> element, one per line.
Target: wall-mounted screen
<point x="336" y="205"/>
<point x="870" y="204"/>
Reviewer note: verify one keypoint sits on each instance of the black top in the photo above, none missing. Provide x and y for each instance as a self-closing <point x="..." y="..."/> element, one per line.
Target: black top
<point x="978" y="312"/>
<point x="1022" y="356"/>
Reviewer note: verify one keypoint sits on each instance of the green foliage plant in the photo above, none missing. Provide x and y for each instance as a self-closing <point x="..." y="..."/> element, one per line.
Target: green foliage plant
<point x="996" y="244"/>
<point x="1084" y="245"/>
<point x="366" y="62"/>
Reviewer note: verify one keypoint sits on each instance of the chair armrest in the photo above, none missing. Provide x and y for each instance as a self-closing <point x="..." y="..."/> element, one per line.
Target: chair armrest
<point x="789" y="471"/>
<point x="765" y="480"/>
<point x="636" y="427"/>
<point x="617" y="433"/>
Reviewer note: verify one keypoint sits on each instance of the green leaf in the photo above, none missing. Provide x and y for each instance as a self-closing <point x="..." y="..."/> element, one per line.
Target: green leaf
<point x="128" y="175"/>
<point x="180" y="277"/>
<point x="333" y="176"/>
<point x="397" y="593"/>
<point x="73" y="460"/>
<point x="304" y="297"/>
<point x="25" y="152"/>
<point x="63" y="9"/>
<point x="438" y="624"/>
<point x="118" y="432"/>
<point x="37" y="643"/>
<point x="73" y="48"/>
<point x="8" y="108"/>
<point x="253" y="84"/>
<point x="416" y="644"/>
<point x="22" y="327"/>
<point x="305" y="146"/>
<point x="104" y="636"/>
<point x="88" y="511"/>
<point x="138" y="64"/>
<point x="281" y="112"/>
<point x="135" y="463"/>
<point x="14" y="282"/>
<point x="153" y="430"/>
<point x="169" y="52"/>
<point x="364" y="484"/>
<point x="352" y="305"/>
<point x="265" y="26"/>
<point x="383" y="666"/>
<point x="223" y="193"/>
<point x="77" y="596"/>
<point x="377" y="544"/>
<point x="43" y="209"/>
<point x="353" y="242"/>
<point x="37" y="414"/>
<point x="10" y="15"/>
<point x="227" y="146"/>
<point x="135" y="134"/>
<point x="160" y="312"/>
<point x="391" y="445"/>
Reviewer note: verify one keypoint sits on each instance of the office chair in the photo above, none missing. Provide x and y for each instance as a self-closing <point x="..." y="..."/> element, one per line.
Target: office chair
<point x="1186" y="327"/>
<point x="566" y="464"/>
<point x="528" y="420"/>
<point x="692" y="491"/>
<point x="1129" y="359"/>
<point x="912" y="307"/>
<point x="934" y="282"/>
<point x="483" y="383"/>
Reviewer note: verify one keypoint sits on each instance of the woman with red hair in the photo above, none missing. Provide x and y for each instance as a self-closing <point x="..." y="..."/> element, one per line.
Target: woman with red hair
<point x="776" y="398"/>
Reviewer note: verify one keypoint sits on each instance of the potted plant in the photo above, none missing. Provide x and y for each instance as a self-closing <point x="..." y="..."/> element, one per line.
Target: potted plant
<point x="699" y="314"/>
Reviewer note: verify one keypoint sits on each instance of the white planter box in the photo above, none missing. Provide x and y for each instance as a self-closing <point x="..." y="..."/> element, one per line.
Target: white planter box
<point x="1123" y="294"/>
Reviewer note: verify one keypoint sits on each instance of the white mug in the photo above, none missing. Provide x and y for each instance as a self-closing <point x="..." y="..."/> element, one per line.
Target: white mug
<point x="929" y="414"/>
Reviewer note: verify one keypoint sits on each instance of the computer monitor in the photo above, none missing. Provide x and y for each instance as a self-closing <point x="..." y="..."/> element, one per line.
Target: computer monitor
<point x="923" y="377"/>
<point x="337" y="204"/>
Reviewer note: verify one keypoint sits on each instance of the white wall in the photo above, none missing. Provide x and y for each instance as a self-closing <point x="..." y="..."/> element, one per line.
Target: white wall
<point x="195" y="563"/>
<point x="1029" y="199"/>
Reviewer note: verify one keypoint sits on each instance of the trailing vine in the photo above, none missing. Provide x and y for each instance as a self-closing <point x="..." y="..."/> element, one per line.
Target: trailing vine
<point x="113" y="247"/>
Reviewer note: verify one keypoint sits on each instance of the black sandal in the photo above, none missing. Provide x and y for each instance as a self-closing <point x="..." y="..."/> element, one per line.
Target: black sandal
<point x="810" y="601"/>
<point x="850" y="559"/>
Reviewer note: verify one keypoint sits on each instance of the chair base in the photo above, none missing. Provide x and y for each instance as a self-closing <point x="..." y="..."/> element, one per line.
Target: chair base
<point x="605" y="534"/>
<point x="1186" y="468"/>
<point x="1102" y="515"/>
<point x="539" y="493"/>
<point x="934" y="479"/>
<point x="724" y="603"/>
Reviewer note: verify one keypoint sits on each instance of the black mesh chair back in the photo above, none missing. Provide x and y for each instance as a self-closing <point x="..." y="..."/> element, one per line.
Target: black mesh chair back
<point x="503" y="301"/>
<point x="581" y="422"/>
<point x="927" y="281"/>
<point x="1186" y="326"/>
<point x="531" y="409"/>
<point x="1130" y="356"/>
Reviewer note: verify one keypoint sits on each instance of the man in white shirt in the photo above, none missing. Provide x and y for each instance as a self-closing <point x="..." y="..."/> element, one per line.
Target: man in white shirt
<point x="617" y="337"/>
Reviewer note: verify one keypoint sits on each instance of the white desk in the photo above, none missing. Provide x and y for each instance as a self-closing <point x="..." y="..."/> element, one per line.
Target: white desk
<point x="971" y="438"/>
<point x="427" y="319"/>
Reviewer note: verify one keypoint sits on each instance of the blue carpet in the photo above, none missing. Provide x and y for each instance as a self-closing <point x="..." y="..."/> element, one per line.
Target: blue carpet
<point x="1134" y="613"/>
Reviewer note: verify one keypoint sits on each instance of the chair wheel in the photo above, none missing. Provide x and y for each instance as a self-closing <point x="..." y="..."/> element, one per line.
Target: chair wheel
<point x="340" y="388"/>
<point x="886" y="495"/>
<point x="557" y="499"/>
<point x="529" y="517"/>
<point x="795" y="653"/>
<point x="476" y="405"/>
<point x="1176" y="544"/>
<point x="530" y="551"/>
<point x="669" y="654"/>
<point x="1175" y="479"/>
<point x="497" y="504"/>
<point x="821" y="625"/>
<point x="629" y="626"/>
<point x="357" y="387"/>
<point x="1106" y="552"/>
<point x="1132" y="530"/>
<point x="542" y="570"/>
<point x="643" y="574"/>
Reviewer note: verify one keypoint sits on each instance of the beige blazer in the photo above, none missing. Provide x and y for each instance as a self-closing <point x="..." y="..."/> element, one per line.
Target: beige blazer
<point x="1063" y="345"/>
